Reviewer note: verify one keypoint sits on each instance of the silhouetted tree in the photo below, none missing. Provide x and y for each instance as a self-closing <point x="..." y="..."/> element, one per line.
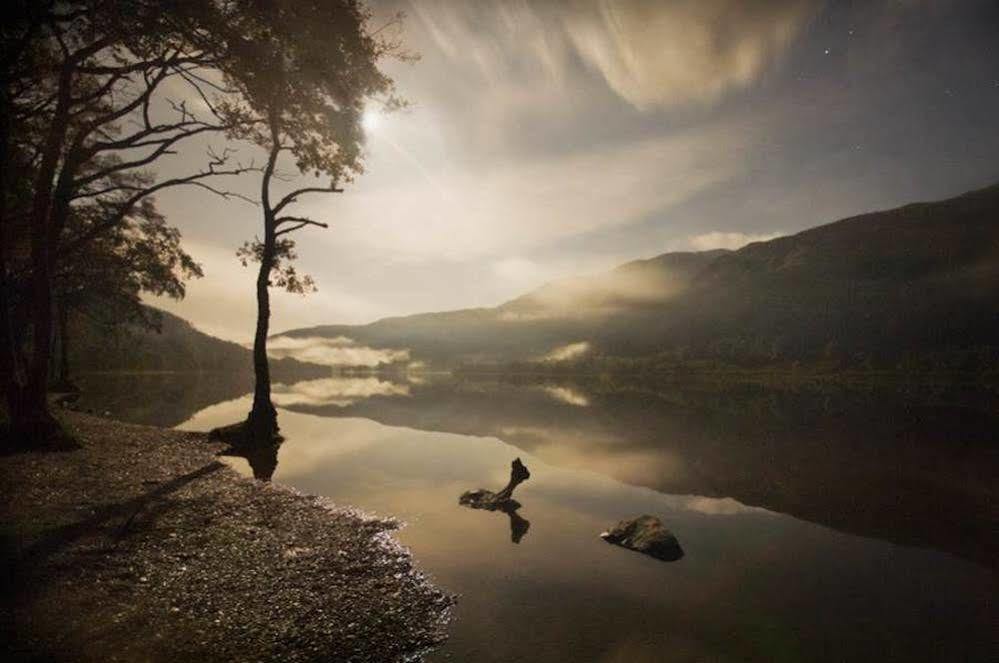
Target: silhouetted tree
<point x="104" y="281"/>
<point x="82" y="115"/>
<point x="305" y="71"/>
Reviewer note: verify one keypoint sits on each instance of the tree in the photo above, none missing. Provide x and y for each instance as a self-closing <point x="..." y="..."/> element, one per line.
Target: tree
<point x="305" y="72"/>
<point x="105" y="280"/>
<point x="82" y="116"/>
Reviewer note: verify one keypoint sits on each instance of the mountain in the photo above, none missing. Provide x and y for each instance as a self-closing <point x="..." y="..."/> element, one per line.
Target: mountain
<point x="177" y="346"/>
<point x="916" y="283"/>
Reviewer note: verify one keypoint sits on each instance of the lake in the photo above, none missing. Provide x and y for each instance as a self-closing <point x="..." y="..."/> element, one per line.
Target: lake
<point x="817" y="524"/>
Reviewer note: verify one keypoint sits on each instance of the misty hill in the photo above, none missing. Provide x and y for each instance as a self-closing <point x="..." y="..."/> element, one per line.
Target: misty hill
<point x="886" y="287"/>
<point x="633" y="285"/>
<point x="177" y="346"/>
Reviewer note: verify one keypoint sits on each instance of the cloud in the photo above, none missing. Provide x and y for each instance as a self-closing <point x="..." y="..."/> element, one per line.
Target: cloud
<point x="512" y="208"/>
<point x="651" y="54"/>
<point x="727" y="240"/>
<point x="684" y="51"/>
<point x="339" y="351"/>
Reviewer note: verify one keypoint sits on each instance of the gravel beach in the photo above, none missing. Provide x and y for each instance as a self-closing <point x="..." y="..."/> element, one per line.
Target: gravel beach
<point x="143" y="546"/>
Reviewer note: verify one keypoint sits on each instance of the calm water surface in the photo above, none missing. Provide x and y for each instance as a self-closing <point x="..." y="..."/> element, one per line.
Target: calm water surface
<point x="815" y="527"/>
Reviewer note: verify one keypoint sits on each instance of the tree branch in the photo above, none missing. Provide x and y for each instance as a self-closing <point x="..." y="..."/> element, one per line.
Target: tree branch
<point x="293" y="196"/>
<point x="128" y="205"/>
<point x="298" y="223"/>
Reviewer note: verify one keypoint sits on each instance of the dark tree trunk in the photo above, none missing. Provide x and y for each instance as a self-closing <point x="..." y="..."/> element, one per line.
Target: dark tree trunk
<point x="63" y="345"/>
<point x="61" y="379"/>
<point x="10" y="358"/>
<point x="12" y="364"/>
<point x="31" y="420"/>
<point x="261" y="424"/>
<point x="262" y="421"/>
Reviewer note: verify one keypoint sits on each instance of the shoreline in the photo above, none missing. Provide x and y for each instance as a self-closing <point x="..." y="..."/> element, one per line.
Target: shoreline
<point x="142" y="545"/>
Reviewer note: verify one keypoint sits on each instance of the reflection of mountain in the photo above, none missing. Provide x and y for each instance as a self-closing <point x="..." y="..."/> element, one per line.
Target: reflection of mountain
<point x="913" y="474"/>
<point x="159" y="399"/>
<point x="918" y="283"/>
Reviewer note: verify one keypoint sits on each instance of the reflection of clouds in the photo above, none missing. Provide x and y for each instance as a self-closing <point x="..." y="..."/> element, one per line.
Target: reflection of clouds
<point x="649" y="53"/>
<point x="340" y="391"/>
<point x="594" y="451"/>
<point x="338" y="351"/>
<point x="567" y="395"/>
<point x="723" y="506"/>
<point x="567" y="352"/>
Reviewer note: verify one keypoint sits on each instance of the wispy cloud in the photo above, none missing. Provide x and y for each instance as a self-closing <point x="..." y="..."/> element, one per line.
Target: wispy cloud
<point x="649" y="53"/>
<point x="514" y="207"/>
<point x="727" y="240"/>
<point x="339" y="351"/>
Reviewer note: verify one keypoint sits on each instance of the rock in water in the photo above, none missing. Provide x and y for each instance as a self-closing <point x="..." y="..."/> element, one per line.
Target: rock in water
<point x="645" y="534"/>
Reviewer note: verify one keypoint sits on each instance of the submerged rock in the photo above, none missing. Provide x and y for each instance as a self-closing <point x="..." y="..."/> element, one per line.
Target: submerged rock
<point x="645" y="534"/>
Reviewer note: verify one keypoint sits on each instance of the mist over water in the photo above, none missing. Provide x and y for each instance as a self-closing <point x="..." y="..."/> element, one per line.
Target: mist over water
<point x="338" y="351"/>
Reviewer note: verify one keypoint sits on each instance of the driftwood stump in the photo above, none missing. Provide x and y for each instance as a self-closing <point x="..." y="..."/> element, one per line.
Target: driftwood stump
<point x="486" y="499"/>
<point x="502" y="501"/>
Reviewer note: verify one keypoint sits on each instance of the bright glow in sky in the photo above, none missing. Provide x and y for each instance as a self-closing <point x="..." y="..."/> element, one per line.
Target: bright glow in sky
<point x="558" y="138"/>
<point x="370" y="121"/>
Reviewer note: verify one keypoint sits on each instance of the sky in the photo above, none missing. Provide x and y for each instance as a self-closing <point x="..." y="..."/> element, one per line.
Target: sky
<point x="558" y="138"/>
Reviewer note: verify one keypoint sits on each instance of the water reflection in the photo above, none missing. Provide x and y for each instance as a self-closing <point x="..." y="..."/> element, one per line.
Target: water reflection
<point x="910" y="468"/>
<point x="901" y="464"/>
<point x="262" y="458"/>
<point x="518" y="524"/>
<point x="720" y="468"/>
<point x="335" y="391"/>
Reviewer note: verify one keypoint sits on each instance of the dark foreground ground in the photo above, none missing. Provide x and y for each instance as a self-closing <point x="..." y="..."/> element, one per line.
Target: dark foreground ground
<point x="143" y="546"/>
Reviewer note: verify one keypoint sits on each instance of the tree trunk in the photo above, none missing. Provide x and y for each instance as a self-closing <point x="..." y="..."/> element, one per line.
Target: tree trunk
<point x="11" y="372"/>
<point x="61" y="380"/>
<point x="262" y="421"/>
<point x="31" y="420"/>
<point x="10" y="357"/>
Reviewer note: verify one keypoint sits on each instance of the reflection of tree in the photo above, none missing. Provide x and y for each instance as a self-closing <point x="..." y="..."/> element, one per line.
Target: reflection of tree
<point x="263" y="458"/>
<point x="518" y="525"/>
